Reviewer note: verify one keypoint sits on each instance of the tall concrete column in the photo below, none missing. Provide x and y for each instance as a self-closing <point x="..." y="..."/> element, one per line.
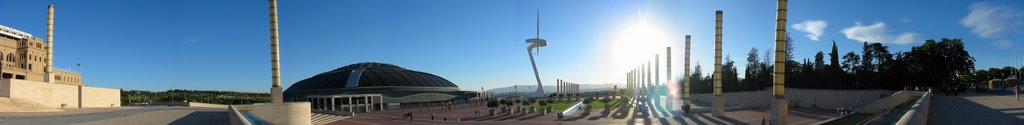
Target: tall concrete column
<point x="657" y="78"/>
<point x="275" y="89"/>
<point x="779" y="109"/>
<point x="333" y="104"/>
<point x="650" y="80"/>
<point x="381" y="99"/>
<point x="686" y="72"/>
<point x="366" y="103"/>
<point x="668" y="76"/>
<point x="718" y="109"/>
<point x="49" y="45"/>
<point x="668" y="66"/>
<point x="350" y="109"/>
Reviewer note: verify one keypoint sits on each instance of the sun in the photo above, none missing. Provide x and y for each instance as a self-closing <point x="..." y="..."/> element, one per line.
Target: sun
<point x="636" y="45"/>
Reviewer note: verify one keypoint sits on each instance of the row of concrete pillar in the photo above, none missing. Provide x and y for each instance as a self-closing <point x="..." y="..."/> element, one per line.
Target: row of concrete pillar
<point x="564" y="87"/>
<point x="635" y="78"/>
<point x="347" y="103"/>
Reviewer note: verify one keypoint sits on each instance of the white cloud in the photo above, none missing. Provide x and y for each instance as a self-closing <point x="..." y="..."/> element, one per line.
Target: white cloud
<point x="906" y="38"/>
<point x="990" y="21"/>
<point x="813" y="28"/>
<point x="1003" y="44"/>
<point x="877" y="33"/>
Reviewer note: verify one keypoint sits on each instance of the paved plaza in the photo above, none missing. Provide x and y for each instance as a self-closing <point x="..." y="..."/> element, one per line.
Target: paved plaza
<point x="656" y="115"/>
<point x="120" y="116"/>
<point x="995" y="108"/>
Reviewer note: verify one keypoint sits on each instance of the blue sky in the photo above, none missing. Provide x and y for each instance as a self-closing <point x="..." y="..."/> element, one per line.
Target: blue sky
<point x="223" y="45"/>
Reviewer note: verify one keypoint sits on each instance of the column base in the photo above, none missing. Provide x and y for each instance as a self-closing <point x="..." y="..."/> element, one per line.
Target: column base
<point x="276" y="96"/>
<point x="718" y="109"/>
<point x="780" y="111"/>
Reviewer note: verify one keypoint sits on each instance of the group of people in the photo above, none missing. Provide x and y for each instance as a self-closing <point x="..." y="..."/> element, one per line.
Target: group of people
<point x="844" y="111"/>
<point x="407" y="115"/>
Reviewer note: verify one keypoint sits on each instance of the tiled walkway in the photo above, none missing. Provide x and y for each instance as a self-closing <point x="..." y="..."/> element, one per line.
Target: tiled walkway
<point x="596" y="117"/>
<point x="974" y="109"/>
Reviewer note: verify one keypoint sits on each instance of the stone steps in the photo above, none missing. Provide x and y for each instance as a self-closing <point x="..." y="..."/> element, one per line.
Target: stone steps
<point x="21" y="105"/>
<point x="320" y="119"/>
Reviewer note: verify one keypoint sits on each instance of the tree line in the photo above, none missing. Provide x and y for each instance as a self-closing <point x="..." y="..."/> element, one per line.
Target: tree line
<point x="140" y="97"/>
<point x="942" y="63"/>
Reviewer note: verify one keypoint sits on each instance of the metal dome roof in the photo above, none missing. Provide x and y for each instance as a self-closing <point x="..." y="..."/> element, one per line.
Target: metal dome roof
<point x="371" y="74"/>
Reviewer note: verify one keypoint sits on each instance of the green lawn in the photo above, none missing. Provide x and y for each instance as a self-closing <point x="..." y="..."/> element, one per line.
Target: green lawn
<point x="599" y="105"/>
<point x="595" y="104"/>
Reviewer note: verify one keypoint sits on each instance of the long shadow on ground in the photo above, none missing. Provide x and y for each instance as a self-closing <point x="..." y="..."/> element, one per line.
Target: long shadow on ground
<point x="203" y="118"/>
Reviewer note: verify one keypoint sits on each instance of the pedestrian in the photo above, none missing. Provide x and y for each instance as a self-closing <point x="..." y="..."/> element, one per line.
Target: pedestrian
<point x="432" y="116"/>
<point x="477" y="112"/>
<point x="1016" y="91"/>
<point x="763" y="120"/>
<point x="445" y="118"/>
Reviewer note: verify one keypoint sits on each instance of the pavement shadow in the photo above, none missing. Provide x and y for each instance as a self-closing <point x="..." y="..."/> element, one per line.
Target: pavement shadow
<point x="721" y="120"/>
<point x="945" y="108"/>
<point x="510" y="117"/>
<point x="203" y="118"/>
<point x="604" y="114"/>
<point x="688" y="116"/>
<point x="582" y="115"/>
<point x="531" y="117"/>
<point x="621" y="112"/>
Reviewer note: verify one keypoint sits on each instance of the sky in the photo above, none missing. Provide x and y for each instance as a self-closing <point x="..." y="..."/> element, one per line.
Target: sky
<point x="224" y="44"/>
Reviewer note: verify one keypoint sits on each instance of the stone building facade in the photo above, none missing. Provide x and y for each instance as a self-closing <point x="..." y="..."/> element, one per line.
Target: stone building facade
<point x="23" y="57"/>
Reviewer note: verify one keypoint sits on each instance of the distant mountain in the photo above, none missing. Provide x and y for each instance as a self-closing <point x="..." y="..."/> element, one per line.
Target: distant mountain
<point x="551" y="89"/>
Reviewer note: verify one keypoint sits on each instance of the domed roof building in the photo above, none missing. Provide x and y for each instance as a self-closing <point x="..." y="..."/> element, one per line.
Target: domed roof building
<point x="395" y="84"/>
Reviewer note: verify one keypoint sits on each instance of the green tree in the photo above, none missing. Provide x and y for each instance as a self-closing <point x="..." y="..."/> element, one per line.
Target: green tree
<point x="940" y="61"/>
<point x="730" y="80"/>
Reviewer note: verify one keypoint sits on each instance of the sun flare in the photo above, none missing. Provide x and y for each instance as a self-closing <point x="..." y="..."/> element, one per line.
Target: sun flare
<point x="635" y="45"/>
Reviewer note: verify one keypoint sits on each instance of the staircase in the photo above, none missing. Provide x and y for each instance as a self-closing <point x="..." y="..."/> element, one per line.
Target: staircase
<point x="321" y="119"/>
<point x="20" y="105"/>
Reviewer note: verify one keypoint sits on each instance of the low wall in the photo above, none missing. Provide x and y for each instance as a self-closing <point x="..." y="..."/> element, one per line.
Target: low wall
<point x="100" y="97"/>
<point x="236" y="118"/>
<point x="51" y="95"/>
<point x="816" y="98"/>
<point x="60" y="95"/>
<point x="918" y="114"/>
<point x="192" y="104"/>
<point x="888" y="102"/>
<point x="339" y="113"/>
<point x="206" y="105"/>
<point x="289" y="113"/>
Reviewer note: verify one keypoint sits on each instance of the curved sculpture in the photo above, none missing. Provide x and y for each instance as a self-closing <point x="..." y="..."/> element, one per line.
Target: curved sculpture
<point x="536" y="43"/>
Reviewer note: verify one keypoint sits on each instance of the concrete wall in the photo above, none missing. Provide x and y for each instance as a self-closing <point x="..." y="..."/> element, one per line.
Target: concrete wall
<point x="52" y="95"/>
<point x="290" y="113"/>
<point x="888" y="102"/>
<point x="236" y="118"/>
<point x="817" y="98"/>
<point x="100" y="97"/>
<point x="918" y="114"/>
<point x="60" y="95"/>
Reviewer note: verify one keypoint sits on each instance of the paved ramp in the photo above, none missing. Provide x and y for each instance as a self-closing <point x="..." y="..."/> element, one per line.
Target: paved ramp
<point x="322" y="119"/>
<point x="21" y="105"/>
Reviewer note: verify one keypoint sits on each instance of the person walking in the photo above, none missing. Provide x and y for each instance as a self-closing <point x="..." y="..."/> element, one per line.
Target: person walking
<point x="432" y="115"/>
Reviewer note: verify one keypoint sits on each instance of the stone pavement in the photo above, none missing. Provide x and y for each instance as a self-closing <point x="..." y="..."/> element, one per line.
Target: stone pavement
<point x="120" y="116"/>
<point x="654" y="115"/>
<point x="996" y="108"/>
